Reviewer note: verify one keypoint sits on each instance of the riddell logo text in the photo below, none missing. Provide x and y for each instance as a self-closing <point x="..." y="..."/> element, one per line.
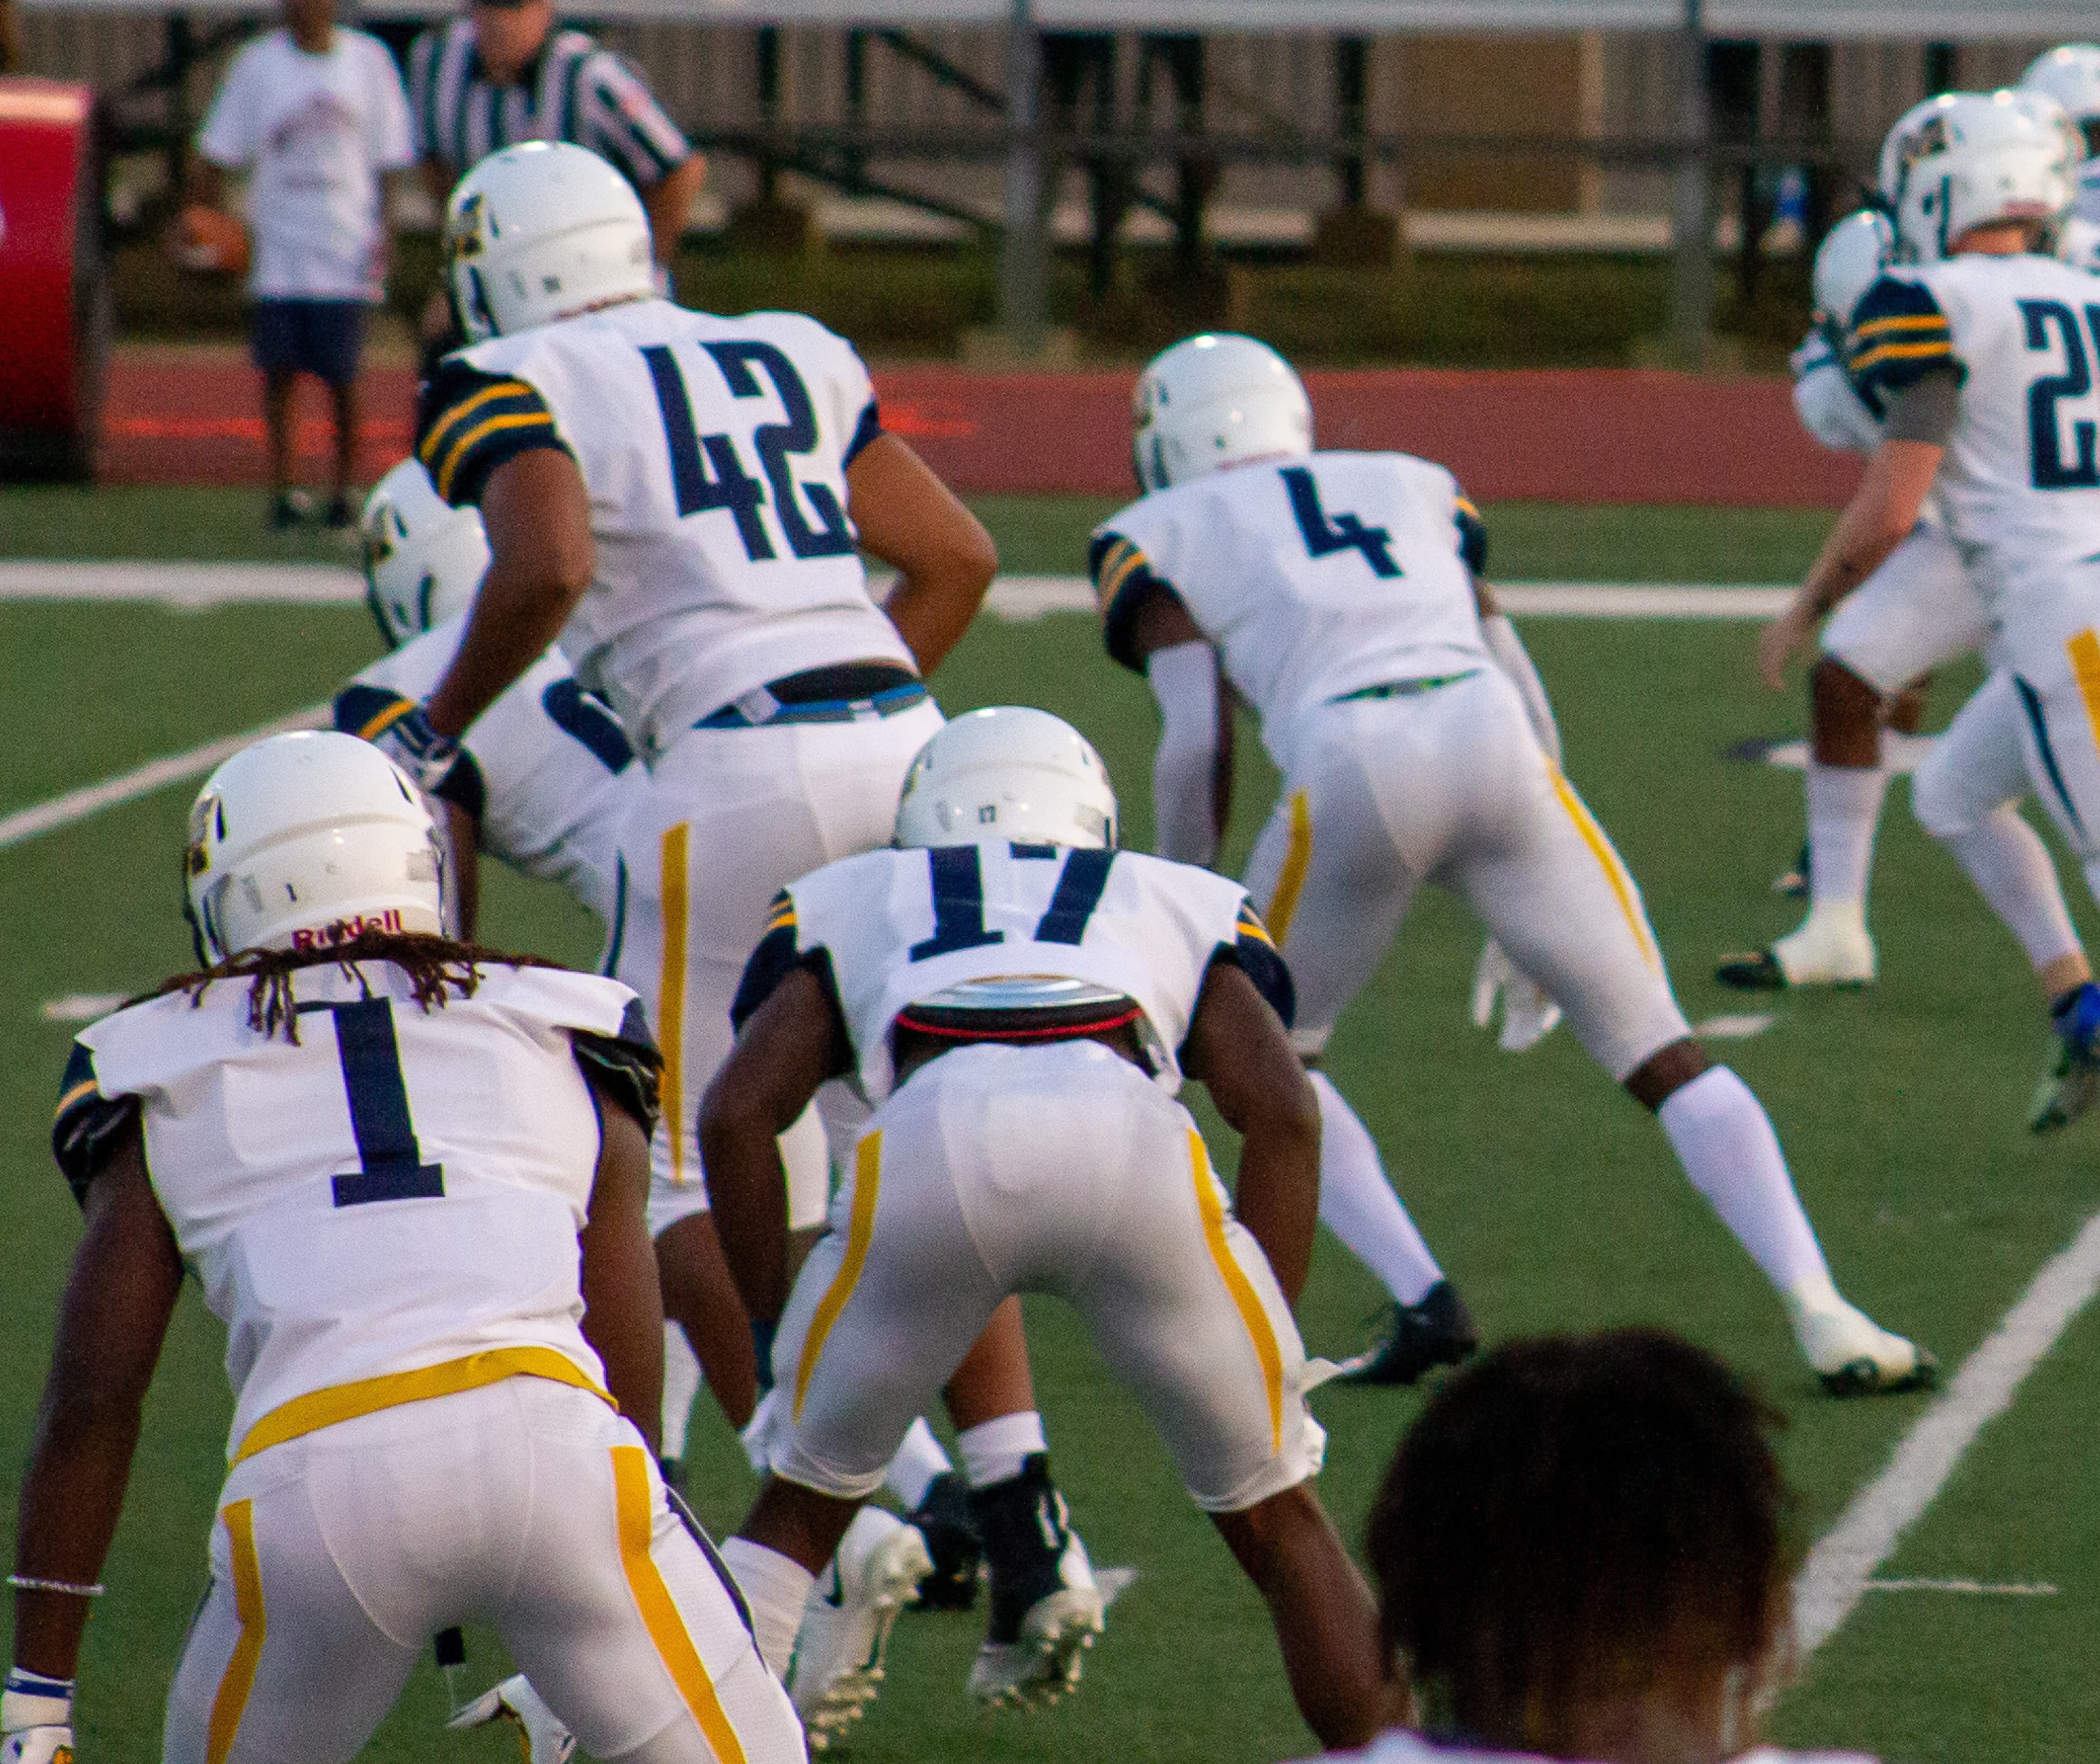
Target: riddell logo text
<point x="345" y="930"/>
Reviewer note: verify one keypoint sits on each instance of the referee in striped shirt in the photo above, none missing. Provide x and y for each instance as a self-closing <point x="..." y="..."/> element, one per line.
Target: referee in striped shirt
<point x="504" y="74"/>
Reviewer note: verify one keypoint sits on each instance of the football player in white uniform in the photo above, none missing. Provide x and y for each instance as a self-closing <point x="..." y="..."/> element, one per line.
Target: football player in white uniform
<point x="1917" y="614"/>
<point x="683" y="499"/>
<point x="1020" y="1001"/>
<point x="1341" y="594"/>
<point x="1580" y="1553"/>
<point x="1982" y="360"/>
<point x="411" y="1175"/>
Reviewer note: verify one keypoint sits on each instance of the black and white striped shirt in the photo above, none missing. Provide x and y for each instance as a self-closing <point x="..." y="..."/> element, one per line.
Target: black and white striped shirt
<point x="575" y="90"/>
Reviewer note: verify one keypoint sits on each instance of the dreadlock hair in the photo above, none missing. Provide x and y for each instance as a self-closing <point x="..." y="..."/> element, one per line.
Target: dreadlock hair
<point x="437" y="967"/>
<point x="1576" y="1520"/>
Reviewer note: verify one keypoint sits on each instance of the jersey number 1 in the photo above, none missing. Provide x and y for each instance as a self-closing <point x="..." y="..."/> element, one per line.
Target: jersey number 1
<point x="390" y="1162"/>
<point x="1326" y="534"/>
<point x="706" y="473"/>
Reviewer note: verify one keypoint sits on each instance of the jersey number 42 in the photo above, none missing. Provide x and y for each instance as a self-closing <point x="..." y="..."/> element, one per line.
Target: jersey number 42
<point x="708" y="472"/>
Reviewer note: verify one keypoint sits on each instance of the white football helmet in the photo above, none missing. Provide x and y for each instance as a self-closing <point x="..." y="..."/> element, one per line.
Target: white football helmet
<point x="1212" y="401"/>
<point x="540" y="231"/>
<point x="1008" y="772"/>
<point x="306" y="840"/>
<point x="2070" y="75"/>
<point x="1849" y="261"/>
<point x="1972" y="160"/>
<point x="423" y="557"/>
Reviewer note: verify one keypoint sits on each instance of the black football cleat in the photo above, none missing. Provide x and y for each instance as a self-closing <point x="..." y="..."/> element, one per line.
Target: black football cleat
<point x="945" y="1520"/>
<point x="1436" y="1330"/>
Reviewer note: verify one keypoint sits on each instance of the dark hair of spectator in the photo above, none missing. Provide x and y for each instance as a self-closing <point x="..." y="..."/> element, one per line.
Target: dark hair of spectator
<point x="1573" y="1521"/>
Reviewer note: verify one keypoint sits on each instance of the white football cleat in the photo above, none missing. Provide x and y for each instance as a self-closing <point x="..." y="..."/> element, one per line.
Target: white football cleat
<point x="540" y="1735"/>
<point x="1831" y="948"/>
<point x="49" y="1744"/>
<point x="846" y="1625"/>
<point x="1854" y="1355"/>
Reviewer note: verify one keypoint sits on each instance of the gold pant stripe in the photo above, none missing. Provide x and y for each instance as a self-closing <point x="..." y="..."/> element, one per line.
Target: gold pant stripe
<point x="660" y="1611"/>
<point x="230" y="1703"/>
<point x="867" y="1179"/>
<point x="2084" y="651"/>
<point x="345" y="1402"/>
<point x="1290" y="878"/>
<point x="1211" y="1209"/>
<point x="671" y="993"/>
<point x="1615" y="870"/>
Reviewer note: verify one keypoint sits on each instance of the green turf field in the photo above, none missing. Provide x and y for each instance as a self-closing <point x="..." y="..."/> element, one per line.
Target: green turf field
<point x="1552" y="1197"/>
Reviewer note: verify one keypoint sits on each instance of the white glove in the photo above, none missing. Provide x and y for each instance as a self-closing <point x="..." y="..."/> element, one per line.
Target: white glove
<point x="37" y="1745"/>
<point x="756" y="1438"/>
<point x="1528" y="1016"/>
<point x="546" y="1741"/>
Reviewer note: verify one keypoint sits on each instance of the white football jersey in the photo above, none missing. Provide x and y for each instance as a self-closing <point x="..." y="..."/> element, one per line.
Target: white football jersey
<point x="401" y="1188"/>
<point x="715" y="451"/>
<point x="1312" y="577"/>
<point x="899" y="929"/>
<point x="2019" y="487"/>
<point x="544" y="766"/>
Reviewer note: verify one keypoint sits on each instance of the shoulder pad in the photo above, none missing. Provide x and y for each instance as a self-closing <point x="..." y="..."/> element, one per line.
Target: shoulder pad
<point x="88" y="1124"/>
<point x="625" y="1068"/>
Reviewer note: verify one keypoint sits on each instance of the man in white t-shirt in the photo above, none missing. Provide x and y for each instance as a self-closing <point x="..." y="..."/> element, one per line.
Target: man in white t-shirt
<point x="316" y="116"/>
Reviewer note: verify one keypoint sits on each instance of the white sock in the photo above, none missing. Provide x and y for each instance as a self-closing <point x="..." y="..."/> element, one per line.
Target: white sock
<point x="2007" y="860"/>
<point x="1724" y="1139"/>
<point x="1844" y="809"/>
<point x="919" y="1460"/>
<point x="682" y="1384"/>
<point x="992" y="1451"/>
<point x="776" y="1587"/>
<point x="1358" y="1205"/>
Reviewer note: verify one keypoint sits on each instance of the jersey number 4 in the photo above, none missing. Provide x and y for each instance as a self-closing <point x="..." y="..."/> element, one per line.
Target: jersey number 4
<point x="2051" y="325"/>
<point x="707" y="472"/>
<point x="390" y="1162"/>
<point x="1326" y="534"/>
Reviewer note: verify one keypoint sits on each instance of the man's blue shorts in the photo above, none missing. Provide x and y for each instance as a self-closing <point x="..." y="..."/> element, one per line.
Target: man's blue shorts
<point x="323" y="337"/>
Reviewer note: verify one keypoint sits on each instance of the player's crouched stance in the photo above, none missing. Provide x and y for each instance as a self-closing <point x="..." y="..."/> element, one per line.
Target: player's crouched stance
<point x="411" y="1175"/>
<point x="1579" y="1554"/>
<point x="1021" y="1000"/>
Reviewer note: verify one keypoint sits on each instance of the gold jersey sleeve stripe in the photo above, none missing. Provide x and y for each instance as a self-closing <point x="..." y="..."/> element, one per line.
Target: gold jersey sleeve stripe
<point x="86" y="1088"/>
<point x="535" y="419"/>
<point x="434" y="442"/>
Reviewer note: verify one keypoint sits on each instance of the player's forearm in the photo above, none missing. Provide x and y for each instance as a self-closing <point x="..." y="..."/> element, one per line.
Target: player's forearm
<point x="72" y="1497"/>
<point x="747" y="1190"/>
<point x="944" y="558"/>
<point x="668" y="203"/>
<point x="1278" y="1199"/>
<point x="1877" y="519"/>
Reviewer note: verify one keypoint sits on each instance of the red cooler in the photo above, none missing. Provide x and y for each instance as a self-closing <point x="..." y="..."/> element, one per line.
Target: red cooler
<point x="54" y="301"/>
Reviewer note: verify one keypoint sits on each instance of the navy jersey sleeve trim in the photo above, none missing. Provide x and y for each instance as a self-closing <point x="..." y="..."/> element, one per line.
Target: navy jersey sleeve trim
<point x="1124" y="580"/>
<point x="1899" y="335"/>
<point x="625" y="1070"/>
<point x="778" y="955"/>
<point x="471" y="422"/>
<point x="866" y="430"/>
<point x="1472" y="536"/>
<point x="1255" y="954"/>
<point x="88" y="1125"/>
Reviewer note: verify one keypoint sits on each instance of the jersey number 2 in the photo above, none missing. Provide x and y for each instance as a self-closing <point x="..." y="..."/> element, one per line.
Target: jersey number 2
<point x="1326" y="534"/>
<point x="2044" y="429"/>
<point x="707" y="472"/>
<point x="390" y="1162"/>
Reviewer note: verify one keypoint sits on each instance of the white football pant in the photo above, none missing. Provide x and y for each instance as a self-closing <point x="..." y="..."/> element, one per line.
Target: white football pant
<point x="528" y="1505"/>
<point x="728" y="819"/>
<point x="1450" y="785"/>
<point x="1060" y="1169"/>
<point x="1916" y="613"/>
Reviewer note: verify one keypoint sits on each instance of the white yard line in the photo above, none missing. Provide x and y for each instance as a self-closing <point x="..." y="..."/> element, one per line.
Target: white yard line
<point x="1841" y="1565"/>
<point x="1984" y="1589"/>
<point x="155" y="774"/>
<point x="1014" y="599"/>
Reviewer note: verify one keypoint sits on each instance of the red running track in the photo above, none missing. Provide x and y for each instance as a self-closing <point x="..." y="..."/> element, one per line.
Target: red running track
<point x="1594" y="435"/>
